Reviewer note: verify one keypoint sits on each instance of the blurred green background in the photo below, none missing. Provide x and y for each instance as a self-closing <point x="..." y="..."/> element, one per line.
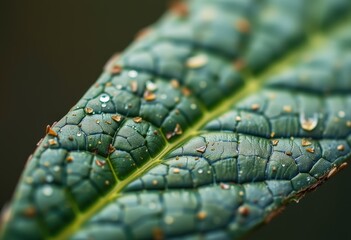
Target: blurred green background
<point x="52" y="51"/>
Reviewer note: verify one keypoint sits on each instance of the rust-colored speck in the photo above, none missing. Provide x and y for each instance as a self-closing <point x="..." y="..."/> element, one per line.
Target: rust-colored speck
<point x="149" y="96"/>
<point x="51" y="131"/>
<point x="69" y="159"/>
<point x="275" y="142"/>
<point x="201" y="215"/>
<point x="305" y="142"/>
<point x="89" y="110"/>
<point x="138" y="119"/>
<point x="201" y="149"/>
<point x="116" y="118"/>
<point x="244" y="211"/>
<point x="111" y="149"/>
<point x="100" y="163"/>
<point x="243" y="25"/>
<point x="179" y="8"/>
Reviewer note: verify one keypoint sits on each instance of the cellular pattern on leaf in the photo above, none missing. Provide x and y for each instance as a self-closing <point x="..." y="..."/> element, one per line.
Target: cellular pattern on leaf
<point x="205" y="127"/>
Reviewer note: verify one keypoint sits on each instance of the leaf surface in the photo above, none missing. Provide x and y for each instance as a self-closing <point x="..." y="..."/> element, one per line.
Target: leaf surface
<point x="211" y="122"/>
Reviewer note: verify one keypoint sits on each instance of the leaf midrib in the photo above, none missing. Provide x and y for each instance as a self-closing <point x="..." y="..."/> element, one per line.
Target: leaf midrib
<point x="251" y="84"/>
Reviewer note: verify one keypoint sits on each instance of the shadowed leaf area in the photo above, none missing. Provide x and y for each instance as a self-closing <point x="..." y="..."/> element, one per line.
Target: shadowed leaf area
<point x="213" y="120"/>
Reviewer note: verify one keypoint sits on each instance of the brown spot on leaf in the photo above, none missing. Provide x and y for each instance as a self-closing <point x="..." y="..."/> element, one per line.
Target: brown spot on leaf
<point x="29" y="212"/>
<point x="149" y="96"/>
<point x="201" y="149"/>
<point x="157" y="234"/>
<point x="100" y="163"/>
<point x="310" y="150"/>
<point x="69" y="159"/>
<point x="51" y="131"/>
<point x="174" y="83"/>
<point x="305" y="142"/>
<point x="179" y="8"/>
<point x="89" y="110"/>
<point x="111" y="149"/>
<point x="178" y="129"/>
<point x="52" y="142"/>
<point x="239" y="64"/>
<point x="275" y="142"/>
<point x="255" y="106"/>
<point x="134" y="86"/>
<point x="244" y="211"/>
<point x="116" y="118"/>
<point x="225" y="186"/>
<point x="201" y="215"/>
<point x="243" y="25"/>
<point x="340" y="147"/>
<point x="138" y="119"/>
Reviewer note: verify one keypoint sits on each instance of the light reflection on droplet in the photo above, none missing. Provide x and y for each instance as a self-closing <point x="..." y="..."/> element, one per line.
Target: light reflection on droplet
<point x="169" y="220"/>
<point x="151" y="86"/>
<point x="47" y="191"/>
<point x="49" y="178"/>
<point x="308" y="124"/>
<point x="132" y="74"/>
<point x="56" y="168"/>
<point x="79" y="134"/>
<point x="193" y="106"/>
<point x="104" y="98"/>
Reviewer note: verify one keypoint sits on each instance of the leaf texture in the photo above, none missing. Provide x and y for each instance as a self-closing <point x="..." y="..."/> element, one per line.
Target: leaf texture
<point x="210" y="123"/>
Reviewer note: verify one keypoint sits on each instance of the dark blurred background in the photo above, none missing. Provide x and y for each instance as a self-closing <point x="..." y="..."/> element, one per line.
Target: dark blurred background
<point x="52" y="51"/>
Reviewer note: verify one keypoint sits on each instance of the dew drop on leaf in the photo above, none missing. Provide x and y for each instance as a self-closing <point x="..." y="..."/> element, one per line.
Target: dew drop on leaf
<point x="308" y="124"/>
<point x="132" y="74"/>
<point x="47" y="191"/>
<point x="104" y="98"/>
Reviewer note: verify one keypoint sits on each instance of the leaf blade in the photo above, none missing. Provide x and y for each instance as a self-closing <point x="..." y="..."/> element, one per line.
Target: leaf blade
<point x="87" y="102"/>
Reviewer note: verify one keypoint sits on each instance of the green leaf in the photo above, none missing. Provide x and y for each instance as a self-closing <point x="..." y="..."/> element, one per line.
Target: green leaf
<point x="209" y="124"/>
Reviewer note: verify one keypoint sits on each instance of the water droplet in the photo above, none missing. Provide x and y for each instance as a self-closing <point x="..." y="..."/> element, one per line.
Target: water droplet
<point x="79" y="134"/>
<point x="47" y="191"/>
<point x="193" y="106"/>
<point x="151" y="86"/>
<point x="49" y="178"/>
<point x="197" y="61"/>
<point x="200" y="171"/>
<point x="56" y="168"/>
<point x="169" y="220"/>
<point x="103" y="105"/>
<point x="308" y="124"/>
<point x="132" y="74"/>
<point x="283" y="165"/>
<point x="340" y="147"/>
<point x="104" y="98"/>
<point x="341" y="114"/>
<point x="225" y="186"/>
